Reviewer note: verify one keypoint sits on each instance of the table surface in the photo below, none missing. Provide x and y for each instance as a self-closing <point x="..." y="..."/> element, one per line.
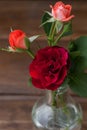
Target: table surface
<point x="16" y="97"/>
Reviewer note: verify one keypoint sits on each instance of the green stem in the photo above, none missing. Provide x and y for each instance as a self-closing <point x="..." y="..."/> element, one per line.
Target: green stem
<point x="54" y="103"/>
<point x="59" y="36"/>
<point x="51" y="34"/>
<point x="58" y="100"/>
<point x="57" y="39"/>
<point x="51" y="29"/>
<point x="30" y="53"/>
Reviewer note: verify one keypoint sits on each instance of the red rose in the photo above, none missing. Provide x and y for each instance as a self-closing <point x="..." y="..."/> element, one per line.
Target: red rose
<point x="49" y="67"/>
<point x="16" y="39"/>
<point x="61" y="12"/>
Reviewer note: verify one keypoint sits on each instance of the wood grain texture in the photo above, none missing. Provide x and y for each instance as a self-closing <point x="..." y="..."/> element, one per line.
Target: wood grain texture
<point x="26" y="15"/>
<point x="16" y="97"/>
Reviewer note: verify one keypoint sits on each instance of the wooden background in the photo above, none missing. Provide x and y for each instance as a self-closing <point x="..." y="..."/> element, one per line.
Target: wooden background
<point x="16" y="97"/>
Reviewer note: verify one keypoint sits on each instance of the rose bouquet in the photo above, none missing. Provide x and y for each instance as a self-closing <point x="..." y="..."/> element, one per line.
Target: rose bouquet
<point x="54" y="66"/>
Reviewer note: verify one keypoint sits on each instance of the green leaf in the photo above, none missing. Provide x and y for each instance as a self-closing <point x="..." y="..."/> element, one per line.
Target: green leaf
<point x="33" y="38"/>
<point x="59" y="26"/>
<point x="48" y="13"/>
<point x="47" y="23"/>
<point x="27" y="42"/>
<point x="19" y="50"/>
<point x="80" y="62"/>
<point x="74" y="54"/>
<point x="30" y="82"/>
<point x="10" y="49"/>
<point x="78" y="77"/>
<point x="65" y="82"/>
<point x="5" y="49"/>
<point x="67" y="29"/>
<point x="78" y="83"/>
<point x="72" y="47"/>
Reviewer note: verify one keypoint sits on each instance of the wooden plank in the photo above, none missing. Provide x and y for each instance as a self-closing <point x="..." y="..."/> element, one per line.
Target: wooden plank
<point x="20" y="14"/>
<point x="16" y="98"/>
<point x="14" y="74"/>
<point x="15" y="115"/>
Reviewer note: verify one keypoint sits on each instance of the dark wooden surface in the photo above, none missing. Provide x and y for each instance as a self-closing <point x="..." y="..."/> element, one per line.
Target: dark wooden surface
<point x="16" y="98"/>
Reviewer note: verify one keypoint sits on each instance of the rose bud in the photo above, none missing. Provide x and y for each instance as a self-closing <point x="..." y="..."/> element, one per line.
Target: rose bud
<point x="61" y="12"/>
<point x="50" y="67"/>
<point x="16" y="39"/>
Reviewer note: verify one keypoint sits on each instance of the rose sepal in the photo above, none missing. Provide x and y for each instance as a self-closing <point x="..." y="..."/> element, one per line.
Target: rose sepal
<point x="33" y="38"/>
<point x="10" y="49"/>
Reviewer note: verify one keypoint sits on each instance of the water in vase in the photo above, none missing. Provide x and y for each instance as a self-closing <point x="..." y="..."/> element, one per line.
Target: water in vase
<point x="48" y="118"/>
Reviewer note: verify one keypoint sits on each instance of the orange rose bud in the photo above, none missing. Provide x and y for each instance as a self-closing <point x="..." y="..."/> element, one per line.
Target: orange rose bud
<point x="16" y="39"/>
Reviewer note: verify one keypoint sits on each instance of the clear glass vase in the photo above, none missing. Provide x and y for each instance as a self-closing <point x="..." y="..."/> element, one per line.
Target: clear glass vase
<point x="57" y="111"/>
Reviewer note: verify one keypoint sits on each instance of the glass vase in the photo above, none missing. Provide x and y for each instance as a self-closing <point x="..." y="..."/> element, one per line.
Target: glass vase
<point x="57" y="110"/>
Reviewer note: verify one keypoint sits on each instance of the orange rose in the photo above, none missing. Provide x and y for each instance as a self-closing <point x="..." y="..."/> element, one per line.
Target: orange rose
<point x="16" y="39"/>
<point x="62" y="12"/>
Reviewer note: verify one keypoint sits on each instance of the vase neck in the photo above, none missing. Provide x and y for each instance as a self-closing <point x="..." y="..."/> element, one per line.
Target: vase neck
<point x="62" y="89"/>
<point x="59" y="94"/>
<point x="59" y="91"/>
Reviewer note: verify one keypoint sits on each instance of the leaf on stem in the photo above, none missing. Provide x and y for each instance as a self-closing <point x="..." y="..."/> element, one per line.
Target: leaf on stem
<point x="10" y="49"/>
<point x="67" y="29"/>
<point x="47" y="23"/>
<point x="78" y="76"/>
<point x="79" y="46"/>
<point x="78" y="83"/>
<point x="59" y="26"/>
<point x="27" y="42"/>
<point x="30" y="82"/>
<point x="6" y="49"/>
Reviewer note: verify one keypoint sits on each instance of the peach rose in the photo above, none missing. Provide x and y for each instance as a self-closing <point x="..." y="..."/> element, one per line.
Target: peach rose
<point x="62" y="12"/>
